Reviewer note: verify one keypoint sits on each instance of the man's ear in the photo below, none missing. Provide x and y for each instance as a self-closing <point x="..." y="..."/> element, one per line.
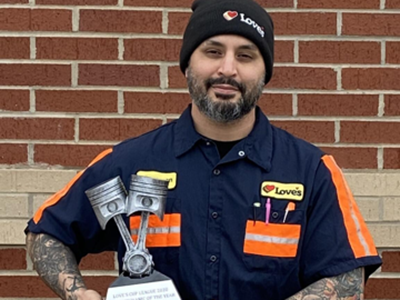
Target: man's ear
<point x="186" y="73"/>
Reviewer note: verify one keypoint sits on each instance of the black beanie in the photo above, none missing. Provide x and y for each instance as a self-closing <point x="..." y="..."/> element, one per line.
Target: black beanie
<point x="241" y="17"/>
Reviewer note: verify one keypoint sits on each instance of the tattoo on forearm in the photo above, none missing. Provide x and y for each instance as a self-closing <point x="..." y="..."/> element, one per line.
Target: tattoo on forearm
<point x="348" y="286"/>
<point x="56" y="265"/>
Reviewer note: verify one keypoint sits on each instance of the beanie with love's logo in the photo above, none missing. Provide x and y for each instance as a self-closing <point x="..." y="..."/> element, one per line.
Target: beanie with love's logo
<point x="245" y="18"/>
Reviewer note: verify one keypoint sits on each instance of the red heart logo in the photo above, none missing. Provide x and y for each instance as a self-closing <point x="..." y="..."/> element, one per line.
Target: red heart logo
<point x="230" y="15"/>
<point x="269" y="188"/>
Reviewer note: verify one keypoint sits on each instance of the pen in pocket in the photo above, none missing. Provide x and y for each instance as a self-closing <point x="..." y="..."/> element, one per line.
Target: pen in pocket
<point x="291" y="206"/>
<point x="267" y="210"/>
<point x="256" y="205"/>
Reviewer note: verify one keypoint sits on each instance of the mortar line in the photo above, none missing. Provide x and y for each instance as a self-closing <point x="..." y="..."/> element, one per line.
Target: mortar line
<point x="164" y="77"/>
<point x="339" y="20"/>
<point x="32" y="46"/>
<point x="121" y="102"/>
<point x="381" y="105"/>
<point x="121" y="48"/>
<point x="382" y="4"/>
<point x="383" y="52"/>
<point x="380" y="158"/>
<point x="32" y="101"/>
<point x="165" y="22"/>
<point x="120" y="3"/>
<point x="296" y="51"/>
<point x="75" y="19"/>
<point x="74" y="74"/>
<point x="295" y="105"/>
<point x="339" y="78"/>
<point x="337" y="132"/>
<point x="31" y="154"/>
<point x="76" y="127"/>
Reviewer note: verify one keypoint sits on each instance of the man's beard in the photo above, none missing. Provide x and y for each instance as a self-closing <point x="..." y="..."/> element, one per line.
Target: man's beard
<point x="223" y="110"/>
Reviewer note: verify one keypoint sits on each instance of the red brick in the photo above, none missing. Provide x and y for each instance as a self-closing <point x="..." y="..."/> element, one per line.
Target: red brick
<point x="369" y="132"/>
<point x="14" y="100"/>
<point x="347" y="4"/>
<point x="119" y="75"/>
<point x="121" y="21"/>
<point x="295" y="23"/>
<point x="13" y="1"/>
<point x="12" y="259"/>
<point x="354" y="158"/>
<point x="14" y="47"/>
<point x="312" y="131"/>
<point x="340" y="52"/>
<point x="392" y="4"/>
<point x="392" y="52"/>
<point x="67" y="155"/>
<point x="177" y="22"/>
<point x="78" y="2"/>
<point x="284" y="51"/>
<point x="303" y="78"/>
<point x="391" y="158"/>
<point x="15" y="19"/>
<point x="76" y="101"/>
<point x="37" y="128"/>
<point x="391" y="261"/>
<point x="101" y="261"/>
<point x="34" y="287"/>
<point x="382" y="288"/>
<point x="159" y="103"/>
<point x="371" y="24"/>
<point x="114" y="129"/>
<point x="276" y="104"/>
<point x="371" y="79"/>
<point x="392" y="105"/>
<point x="13" y="154"/>
<point x="175" y="78"/>
<point x="77" y="48"/>
<point x="338" y="105"/>
<point x="188" y="3"/>
<point x="152" y="49"/>
<point x="35" y="74"/>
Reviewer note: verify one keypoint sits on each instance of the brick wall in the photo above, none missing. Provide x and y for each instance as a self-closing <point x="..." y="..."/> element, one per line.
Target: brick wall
<point x="77" y="76"/>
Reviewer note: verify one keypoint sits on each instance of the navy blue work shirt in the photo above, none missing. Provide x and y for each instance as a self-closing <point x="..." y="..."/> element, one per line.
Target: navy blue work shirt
<point x="268" y="219"/>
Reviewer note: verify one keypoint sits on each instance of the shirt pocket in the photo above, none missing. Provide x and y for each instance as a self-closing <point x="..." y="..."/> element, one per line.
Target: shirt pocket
<point x="163" y="238"/>
<point x="266" y="243"/>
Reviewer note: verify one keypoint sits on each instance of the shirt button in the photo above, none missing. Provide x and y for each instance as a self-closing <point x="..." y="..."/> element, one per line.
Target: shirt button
<point x="241" y="153"/>
<point x="217" y="172"/>
<point x="213" y="258"/>
<point x="275" y="215"/>
<point x="208" y="143"/>
<point x="214" y="215"/>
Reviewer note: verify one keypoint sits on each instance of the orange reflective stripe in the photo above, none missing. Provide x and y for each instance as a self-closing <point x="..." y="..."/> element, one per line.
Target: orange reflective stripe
<point x="164" y="233"/>
<point x="358" y="234"/>
<point x="61" y="193"/>
<point x="278" y="240"/>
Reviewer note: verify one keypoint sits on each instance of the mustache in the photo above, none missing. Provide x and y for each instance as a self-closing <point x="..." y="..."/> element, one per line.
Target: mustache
<point x="225" y="80"/>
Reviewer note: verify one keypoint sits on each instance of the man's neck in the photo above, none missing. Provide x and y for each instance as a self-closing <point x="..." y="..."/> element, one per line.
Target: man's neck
<point x="232" y="131"/>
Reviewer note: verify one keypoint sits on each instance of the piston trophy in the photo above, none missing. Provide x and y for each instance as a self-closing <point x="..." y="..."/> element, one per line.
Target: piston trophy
<point x="146" y="195"/>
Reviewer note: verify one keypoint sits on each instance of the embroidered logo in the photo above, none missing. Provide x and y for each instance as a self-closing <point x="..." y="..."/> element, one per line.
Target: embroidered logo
<point x="171" y="177"/>
<point x="253" y="24"/>
<point x="230" y="15"/>
<point x="278" y="190"/>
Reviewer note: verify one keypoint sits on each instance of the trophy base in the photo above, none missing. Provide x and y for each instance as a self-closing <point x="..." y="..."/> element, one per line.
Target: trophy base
<point x="153" y="287"/>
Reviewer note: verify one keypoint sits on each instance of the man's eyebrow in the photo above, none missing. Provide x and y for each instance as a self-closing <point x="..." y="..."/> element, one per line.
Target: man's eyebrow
<point x="242" y="47"/>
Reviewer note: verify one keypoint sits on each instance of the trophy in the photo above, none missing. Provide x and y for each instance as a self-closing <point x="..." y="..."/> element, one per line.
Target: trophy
<point x="139" y="280"/>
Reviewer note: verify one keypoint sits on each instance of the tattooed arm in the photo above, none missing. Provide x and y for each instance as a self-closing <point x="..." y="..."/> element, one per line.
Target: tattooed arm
<point x="57" y="266"/>
<point x="348" y="286"/>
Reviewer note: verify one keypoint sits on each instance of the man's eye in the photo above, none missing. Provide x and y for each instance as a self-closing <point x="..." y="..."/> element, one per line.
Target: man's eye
<point x="245" y="56"/>
<point x="213" y="52"/>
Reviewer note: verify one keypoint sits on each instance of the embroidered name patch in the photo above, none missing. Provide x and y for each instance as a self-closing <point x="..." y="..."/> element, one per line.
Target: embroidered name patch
<point x="171" y="177"/>
<point x="278" y="190"/>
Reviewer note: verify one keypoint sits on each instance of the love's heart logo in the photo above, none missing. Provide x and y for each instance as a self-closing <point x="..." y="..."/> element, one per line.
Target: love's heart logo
<point x="230" y="15"/>
<point x="269" y="188"/>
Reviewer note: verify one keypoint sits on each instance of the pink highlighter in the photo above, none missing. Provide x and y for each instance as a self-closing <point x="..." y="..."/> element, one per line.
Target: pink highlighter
<point x="267" y="211"/>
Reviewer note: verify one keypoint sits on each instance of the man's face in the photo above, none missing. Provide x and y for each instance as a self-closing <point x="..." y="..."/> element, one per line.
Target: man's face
<point x="226" y="77"/>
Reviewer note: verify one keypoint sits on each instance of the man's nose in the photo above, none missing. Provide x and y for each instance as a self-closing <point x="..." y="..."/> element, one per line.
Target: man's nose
<point x="228" y="66"/>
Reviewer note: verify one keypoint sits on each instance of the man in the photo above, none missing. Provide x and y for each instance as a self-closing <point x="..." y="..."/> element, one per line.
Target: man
<point x="256" y="212"/>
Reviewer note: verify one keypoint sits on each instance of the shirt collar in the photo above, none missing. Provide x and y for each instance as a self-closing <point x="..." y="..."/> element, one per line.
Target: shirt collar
<point x="258" y="144"/>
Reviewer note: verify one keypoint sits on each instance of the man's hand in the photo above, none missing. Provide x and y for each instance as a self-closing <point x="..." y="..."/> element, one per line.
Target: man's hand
<point x="56" y="265"/>
<point x="348" y="286"/>
<point x="88" y="295"/>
